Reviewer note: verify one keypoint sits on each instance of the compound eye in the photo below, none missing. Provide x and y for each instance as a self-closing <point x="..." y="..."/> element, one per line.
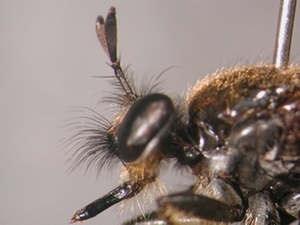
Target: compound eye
<point x="144" y="126"/>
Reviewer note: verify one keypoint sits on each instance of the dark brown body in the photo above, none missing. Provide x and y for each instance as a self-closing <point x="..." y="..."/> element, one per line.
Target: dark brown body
<point x="252" y="146"/>
<point x="237" y="133"/>
<point x="224" y="90"/>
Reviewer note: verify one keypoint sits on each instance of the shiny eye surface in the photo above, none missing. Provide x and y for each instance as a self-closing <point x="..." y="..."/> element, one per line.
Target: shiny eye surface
<point x="144" y="126"/>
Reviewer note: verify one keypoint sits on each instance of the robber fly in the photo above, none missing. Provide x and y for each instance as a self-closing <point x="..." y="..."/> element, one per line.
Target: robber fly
<point x="237" y="132"/>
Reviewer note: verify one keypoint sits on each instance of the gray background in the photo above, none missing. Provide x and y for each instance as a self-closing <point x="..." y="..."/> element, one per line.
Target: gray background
<point x="48" y="55"/>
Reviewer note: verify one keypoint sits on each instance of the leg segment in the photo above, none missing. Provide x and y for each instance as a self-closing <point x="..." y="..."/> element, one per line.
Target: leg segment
<point x="261" y="210"/>
<point x="220" y="202"/>
<point x="291" y="204"/>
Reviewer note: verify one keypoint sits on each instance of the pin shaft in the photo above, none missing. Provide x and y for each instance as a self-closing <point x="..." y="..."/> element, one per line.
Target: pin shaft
<point x="284" y="33"/>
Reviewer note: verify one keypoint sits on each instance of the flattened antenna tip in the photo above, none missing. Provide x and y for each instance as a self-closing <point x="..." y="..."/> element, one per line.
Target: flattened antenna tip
<point x="112" y="10"/>
<point x="100" y="20"/>
<point x="284" y="33"/>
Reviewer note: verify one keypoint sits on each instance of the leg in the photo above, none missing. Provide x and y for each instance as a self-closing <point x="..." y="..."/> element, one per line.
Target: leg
<point x="261" y="210"/>
<point x="220" y="203"/>
<point x="291" y="204"/>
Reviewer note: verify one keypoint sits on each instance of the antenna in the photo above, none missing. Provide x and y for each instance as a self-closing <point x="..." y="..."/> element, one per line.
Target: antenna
<point x="107" y="35"/>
